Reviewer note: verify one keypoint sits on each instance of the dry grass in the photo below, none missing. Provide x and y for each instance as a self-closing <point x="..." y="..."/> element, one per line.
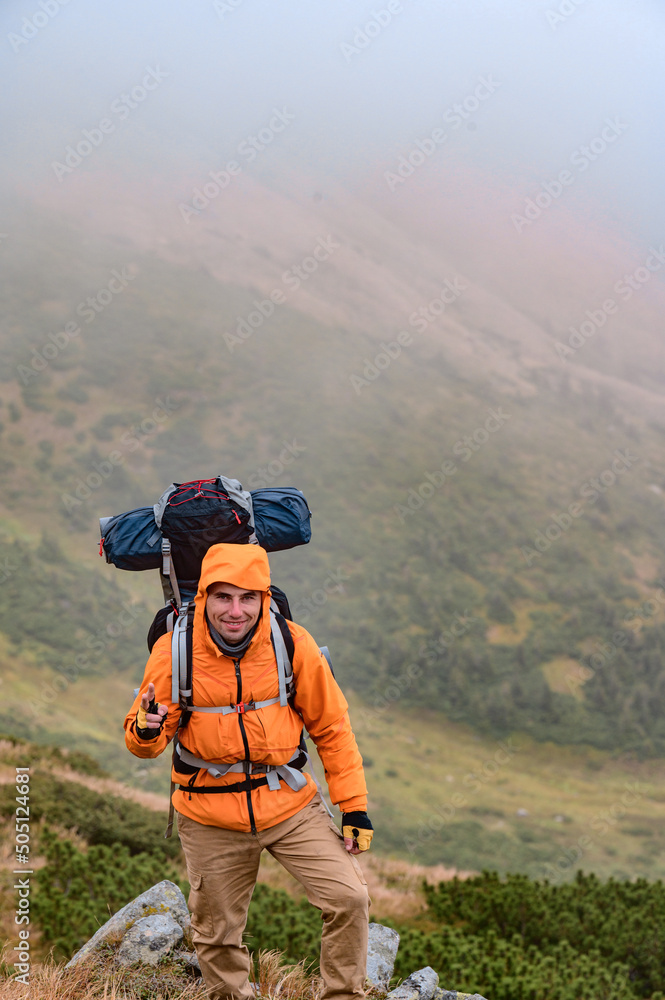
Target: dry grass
<point x="395" y="886"/>
<point x="101" y="979"/>
<point x="284" y="982"/>
<point x="151" y="800"/>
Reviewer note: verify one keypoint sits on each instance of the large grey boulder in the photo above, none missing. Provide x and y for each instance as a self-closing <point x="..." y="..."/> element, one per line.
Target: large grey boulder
<point x="149" y="939"/>
<point x="164" y="897"/>
<point x="381" y="952"/>
<point x="420" y="985"/>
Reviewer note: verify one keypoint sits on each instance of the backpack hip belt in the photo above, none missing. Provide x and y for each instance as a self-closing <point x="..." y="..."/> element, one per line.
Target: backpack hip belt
<point x="290" y="772"/>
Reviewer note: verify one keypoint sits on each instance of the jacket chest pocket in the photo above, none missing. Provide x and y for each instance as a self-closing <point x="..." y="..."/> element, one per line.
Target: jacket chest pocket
<point x="214" y="736"/>
<point x="273" y="730"/>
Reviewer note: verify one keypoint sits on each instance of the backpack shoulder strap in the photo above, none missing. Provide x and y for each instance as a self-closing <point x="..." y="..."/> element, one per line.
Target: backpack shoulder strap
<point x="181" y="658"/>
<point x="283" y="645"/>
<point x="181" y="682"/>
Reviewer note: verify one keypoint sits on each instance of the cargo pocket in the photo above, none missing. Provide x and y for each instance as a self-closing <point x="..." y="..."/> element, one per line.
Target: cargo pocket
<point x="358" y="869"/>
<point x="199" y="905"/>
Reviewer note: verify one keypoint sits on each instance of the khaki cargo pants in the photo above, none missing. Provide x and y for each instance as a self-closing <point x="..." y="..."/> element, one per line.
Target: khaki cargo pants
<point x="223" y="866"/>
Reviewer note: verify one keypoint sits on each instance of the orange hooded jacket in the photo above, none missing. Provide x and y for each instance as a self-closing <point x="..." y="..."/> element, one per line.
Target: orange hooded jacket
<point x="272" y="733"/>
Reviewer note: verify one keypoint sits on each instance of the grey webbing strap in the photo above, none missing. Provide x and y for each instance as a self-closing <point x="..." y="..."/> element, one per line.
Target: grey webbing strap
<point x="282" y="657"/>
<point x="294" y="778"/>
<point x="243" y="498"/>
<point x="168" y="569"/>
<point x="179" y="655"/>
<point x="317" y="783"/>
<point x="215" y="770"/>
<point x="250" y="706"/>
<point x="273" y="780"/>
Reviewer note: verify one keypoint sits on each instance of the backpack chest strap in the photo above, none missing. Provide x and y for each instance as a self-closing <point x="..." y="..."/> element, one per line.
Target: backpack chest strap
<point x="240" y="708"/>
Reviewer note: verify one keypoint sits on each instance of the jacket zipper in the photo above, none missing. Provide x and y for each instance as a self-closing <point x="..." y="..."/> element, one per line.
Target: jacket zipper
<point x="250" y="807"/>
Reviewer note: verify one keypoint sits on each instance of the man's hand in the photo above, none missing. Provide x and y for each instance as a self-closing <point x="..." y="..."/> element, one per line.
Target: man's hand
<point x="357" y="831"/>
<point x="150" y="716"/>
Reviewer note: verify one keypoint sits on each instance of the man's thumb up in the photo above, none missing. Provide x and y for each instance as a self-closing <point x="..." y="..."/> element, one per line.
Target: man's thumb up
<point x="150" y="716"/>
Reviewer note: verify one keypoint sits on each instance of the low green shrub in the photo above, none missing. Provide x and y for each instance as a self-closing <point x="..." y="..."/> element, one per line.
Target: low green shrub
<point x="99" y="818"/>
<point x="77" y="893"/>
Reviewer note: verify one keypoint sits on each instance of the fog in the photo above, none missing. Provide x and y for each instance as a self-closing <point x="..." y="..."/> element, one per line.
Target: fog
<point x="359" y="98"/>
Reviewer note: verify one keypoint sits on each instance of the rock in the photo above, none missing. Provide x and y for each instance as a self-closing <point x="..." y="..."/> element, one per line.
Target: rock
<point x="420" y="985"/>
<point x="381" y="952"/>
<point x="440" y="994"/>
<point x="164" y="897"/>
<point x="149" y="939"/>
<point x="189" y="958"/>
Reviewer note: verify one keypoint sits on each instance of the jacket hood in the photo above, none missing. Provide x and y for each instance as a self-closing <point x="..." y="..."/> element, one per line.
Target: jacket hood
<point x="244" y="566"/>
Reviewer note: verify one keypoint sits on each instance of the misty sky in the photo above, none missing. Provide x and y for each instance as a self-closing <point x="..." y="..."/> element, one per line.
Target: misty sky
<point x="223" y="67"/>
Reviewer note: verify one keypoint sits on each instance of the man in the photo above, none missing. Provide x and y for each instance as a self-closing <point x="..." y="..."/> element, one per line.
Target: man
<point x="225" y="820"/>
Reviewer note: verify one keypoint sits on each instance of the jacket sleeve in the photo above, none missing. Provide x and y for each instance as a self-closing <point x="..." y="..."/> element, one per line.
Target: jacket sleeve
<point x="324" y="710"/>
<point x="158" y="670"/>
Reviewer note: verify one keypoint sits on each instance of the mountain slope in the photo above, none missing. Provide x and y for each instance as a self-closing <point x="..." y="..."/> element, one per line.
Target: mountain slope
<point x="441" y="469"/>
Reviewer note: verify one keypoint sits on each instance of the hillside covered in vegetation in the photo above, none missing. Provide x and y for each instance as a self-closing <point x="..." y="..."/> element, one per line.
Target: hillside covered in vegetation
<point x="487" y="529"/>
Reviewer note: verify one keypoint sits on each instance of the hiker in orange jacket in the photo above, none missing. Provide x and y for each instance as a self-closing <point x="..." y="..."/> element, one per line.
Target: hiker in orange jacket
<point x="227" y="817"/>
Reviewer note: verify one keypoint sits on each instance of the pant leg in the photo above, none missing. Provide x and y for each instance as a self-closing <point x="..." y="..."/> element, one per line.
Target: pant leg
<point x="311" y="848"/>
<point x="222" y="866"/>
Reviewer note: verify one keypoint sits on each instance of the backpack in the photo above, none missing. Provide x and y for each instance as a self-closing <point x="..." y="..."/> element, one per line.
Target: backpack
<point x="173" y="536"/>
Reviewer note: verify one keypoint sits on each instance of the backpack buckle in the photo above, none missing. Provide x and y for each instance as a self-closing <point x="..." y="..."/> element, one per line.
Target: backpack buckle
<point x="240" y="708"/>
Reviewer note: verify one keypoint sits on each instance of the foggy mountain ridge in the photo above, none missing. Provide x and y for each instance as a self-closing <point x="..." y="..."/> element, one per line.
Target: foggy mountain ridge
<point x="380" y="276"/>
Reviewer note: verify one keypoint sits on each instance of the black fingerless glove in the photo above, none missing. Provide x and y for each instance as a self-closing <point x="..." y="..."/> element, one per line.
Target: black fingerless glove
<point x="145" y="733"/>
<point x="357" y="826"/>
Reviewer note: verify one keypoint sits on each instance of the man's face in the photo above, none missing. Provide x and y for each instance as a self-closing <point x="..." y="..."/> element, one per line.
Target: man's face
<point x="232" y="610"/>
